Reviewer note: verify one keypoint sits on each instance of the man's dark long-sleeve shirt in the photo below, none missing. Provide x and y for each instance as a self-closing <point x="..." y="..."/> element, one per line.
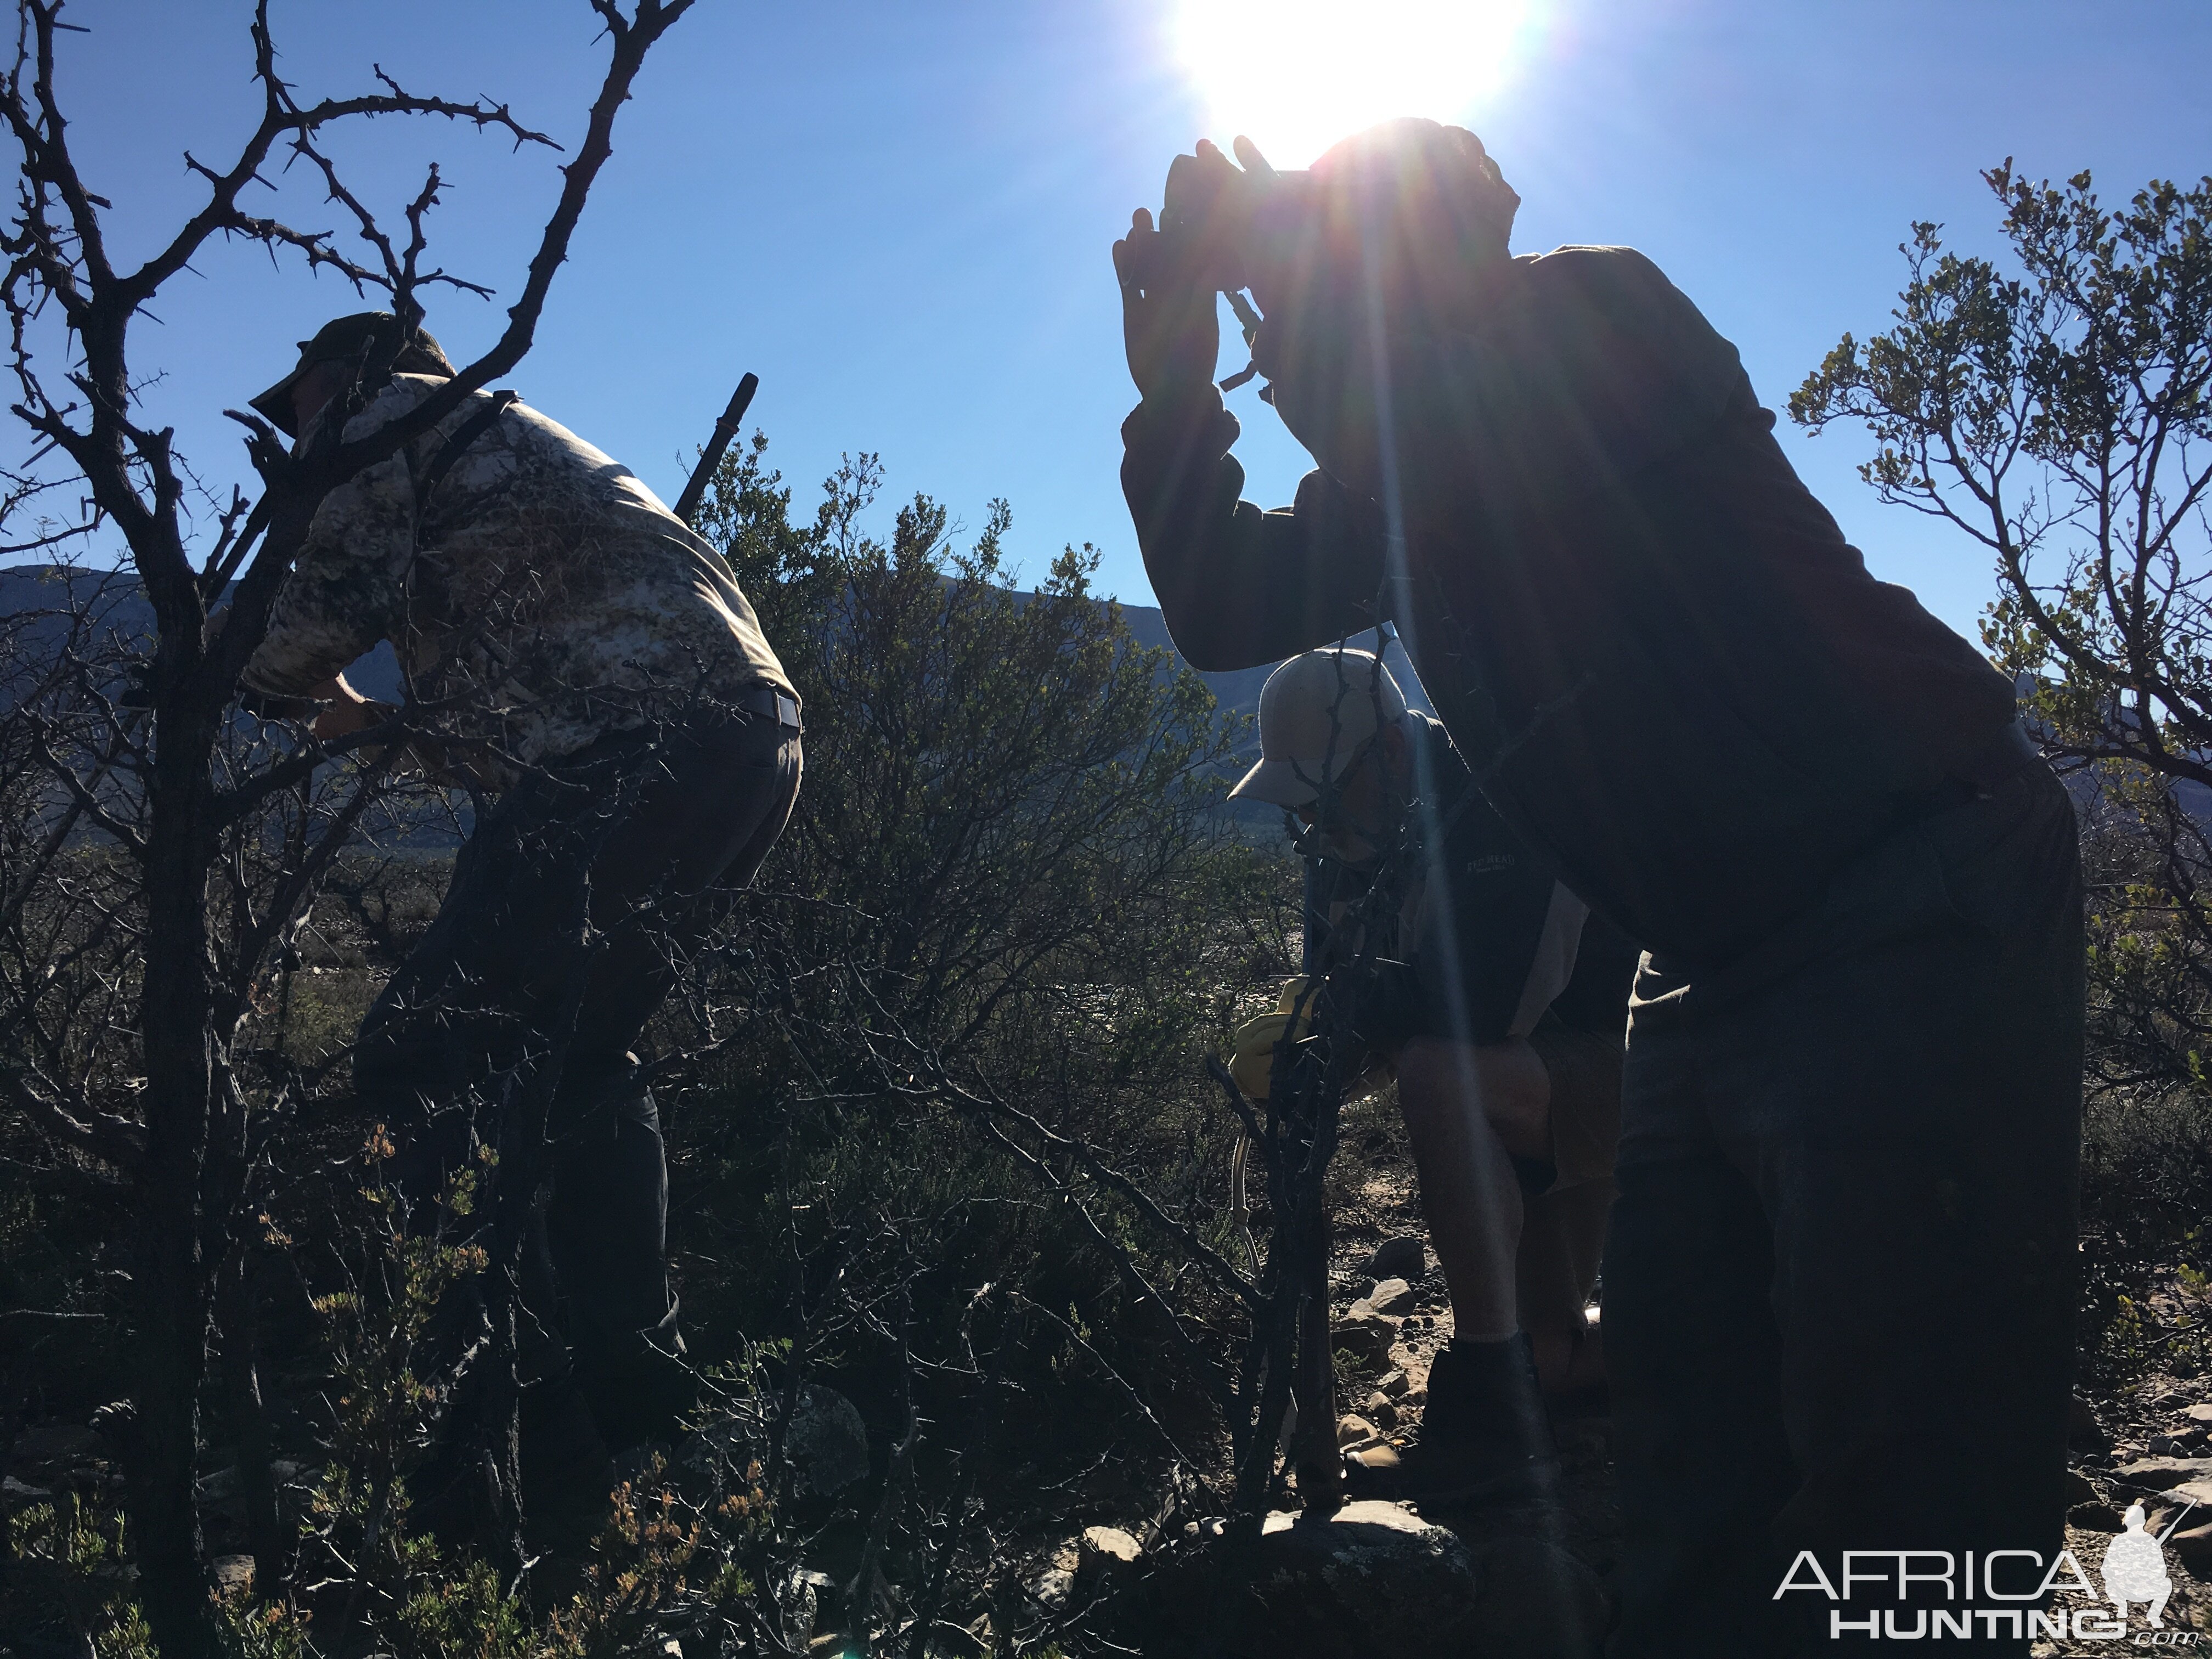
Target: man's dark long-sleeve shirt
<point x="1652" y="643"/>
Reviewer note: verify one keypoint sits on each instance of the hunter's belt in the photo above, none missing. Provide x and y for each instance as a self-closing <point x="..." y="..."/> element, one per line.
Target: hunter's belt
<point x="769" y="703"/>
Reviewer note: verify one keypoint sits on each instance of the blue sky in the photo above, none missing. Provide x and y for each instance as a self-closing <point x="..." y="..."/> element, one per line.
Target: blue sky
<point x="898" y="214"/>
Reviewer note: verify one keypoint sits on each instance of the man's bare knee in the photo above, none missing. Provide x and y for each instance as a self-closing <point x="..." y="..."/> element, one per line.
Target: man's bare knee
<point x="1437" y="1076"/>
<point x="1517" y="1095"/>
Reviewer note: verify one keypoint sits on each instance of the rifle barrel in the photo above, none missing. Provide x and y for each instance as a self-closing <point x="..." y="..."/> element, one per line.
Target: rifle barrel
<point x="725" y="429"/>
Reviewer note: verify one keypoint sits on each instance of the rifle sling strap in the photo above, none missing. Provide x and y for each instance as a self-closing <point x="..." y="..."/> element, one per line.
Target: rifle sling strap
<point x="456" y="446"/>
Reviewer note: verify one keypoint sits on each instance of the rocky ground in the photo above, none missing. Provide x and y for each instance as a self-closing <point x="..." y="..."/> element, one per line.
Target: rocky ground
<point x="1391" y="1315"/>
<point x="2146" y="1444"/>
<point x="2150" y="1442"/>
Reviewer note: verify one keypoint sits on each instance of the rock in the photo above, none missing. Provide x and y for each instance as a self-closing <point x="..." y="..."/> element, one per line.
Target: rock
<point x="1537" y="1602"/>
<point x="58" y="1442"/>
<point x="2081" y="1421"/>
<point x="2198" y="1491"/>
<point x="807" y="1595"/>
<point x="827" y="1443"/>
<point x="1381" y="1410"/>
<point x="219" y="1484"/>
<point x="2095" y="1516"/>
<point x="1054" y="1588"/>
<point x="1370" y="1579"/>
<point x="1103" y="1556"/>
<point x="1374" y="1579"/>
<point x="2163" y="1474"/>
<point x="233" y="1575"/>
<point x="16" y="1491"/>
<point x="1392" y="1296"/>
<point x="2193" y="1549"/>
<point x="1103" y="1549"/>
<point x="1404" y="1257"/>
<point x="1393" y="1384"/>
<point x="2200" y="1415"/>
<point x="2079" y="1488"/>
<point x="1350" y="1430"/>
<point x="1366" y="1334"/>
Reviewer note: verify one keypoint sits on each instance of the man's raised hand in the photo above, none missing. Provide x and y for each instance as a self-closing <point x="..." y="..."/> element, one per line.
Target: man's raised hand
<point x="1170" y="275"/>
<point x="1169" y="324"/>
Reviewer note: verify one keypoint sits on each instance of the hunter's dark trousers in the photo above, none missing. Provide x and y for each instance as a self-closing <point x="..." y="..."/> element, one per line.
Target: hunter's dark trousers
<point x="649" y="836"/>
<point x="1840" y="1281"/>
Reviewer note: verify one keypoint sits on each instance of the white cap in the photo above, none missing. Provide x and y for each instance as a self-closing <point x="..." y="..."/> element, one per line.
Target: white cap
<point x="1316" y="712"/>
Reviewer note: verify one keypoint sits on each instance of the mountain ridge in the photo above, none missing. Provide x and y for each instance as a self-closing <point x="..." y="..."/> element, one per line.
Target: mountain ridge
<point x="117" y="595"/>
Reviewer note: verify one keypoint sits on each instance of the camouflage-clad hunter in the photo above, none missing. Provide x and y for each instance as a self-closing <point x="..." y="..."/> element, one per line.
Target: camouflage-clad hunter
<point x="591" y="660"/>
<point x="540" y="583"/>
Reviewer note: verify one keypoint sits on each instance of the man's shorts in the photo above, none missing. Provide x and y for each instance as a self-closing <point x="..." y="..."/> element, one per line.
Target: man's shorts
<point x="1563" y="1227"/>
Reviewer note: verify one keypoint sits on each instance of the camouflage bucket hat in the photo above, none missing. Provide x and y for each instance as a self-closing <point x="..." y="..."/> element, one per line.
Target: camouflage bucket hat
<point x="345" y="340"/>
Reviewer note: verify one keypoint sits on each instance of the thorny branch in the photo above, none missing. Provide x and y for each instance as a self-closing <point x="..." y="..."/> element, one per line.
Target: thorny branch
<point x="132" y="785"/>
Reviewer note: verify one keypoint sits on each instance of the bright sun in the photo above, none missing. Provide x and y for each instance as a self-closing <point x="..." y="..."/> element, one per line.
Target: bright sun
<point x="1297" y="74"/>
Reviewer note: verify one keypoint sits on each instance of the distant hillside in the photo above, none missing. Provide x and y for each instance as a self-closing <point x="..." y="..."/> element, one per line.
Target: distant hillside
<point x="1239" y="688"/>
<point x="48" y="593"/>
<point x="115" y="596"/>
<point x="111" y="602"/>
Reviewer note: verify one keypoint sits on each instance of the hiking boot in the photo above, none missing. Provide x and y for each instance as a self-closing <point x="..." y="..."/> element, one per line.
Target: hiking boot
<point x="1484" y="1434"/>
<point x="1570" y="1365"/>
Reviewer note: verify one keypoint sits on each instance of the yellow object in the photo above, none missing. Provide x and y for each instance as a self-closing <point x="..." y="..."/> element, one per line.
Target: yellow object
<point x="1252" y="1045"/>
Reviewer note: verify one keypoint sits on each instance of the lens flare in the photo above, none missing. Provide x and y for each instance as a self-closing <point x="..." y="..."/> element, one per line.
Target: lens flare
<point x="1297" y="74"/>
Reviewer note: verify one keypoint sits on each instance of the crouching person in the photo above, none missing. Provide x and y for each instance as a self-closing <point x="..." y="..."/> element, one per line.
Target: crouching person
<point x="1502" y="1006"/>
<point x="602" y="678"/>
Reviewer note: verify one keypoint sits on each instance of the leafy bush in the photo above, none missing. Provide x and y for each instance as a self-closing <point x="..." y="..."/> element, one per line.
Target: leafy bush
<point x="970" y="993"/>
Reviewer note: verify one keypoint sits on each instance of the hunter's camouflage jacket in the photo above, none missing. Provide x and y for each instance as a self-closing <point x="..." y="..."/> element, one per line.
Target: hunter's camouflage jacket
<point x="538" y="595"/>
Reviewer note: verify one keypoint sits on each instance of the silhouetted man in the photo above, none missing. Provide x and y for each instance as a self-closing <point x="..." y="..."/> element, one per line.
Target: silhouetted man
<point x="1840" y="1278"/>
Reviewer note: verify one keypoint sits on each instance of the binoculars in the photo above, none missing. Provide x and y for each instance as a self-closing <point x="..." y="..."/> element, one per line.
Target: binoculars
<point x="1234" y="225"/>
